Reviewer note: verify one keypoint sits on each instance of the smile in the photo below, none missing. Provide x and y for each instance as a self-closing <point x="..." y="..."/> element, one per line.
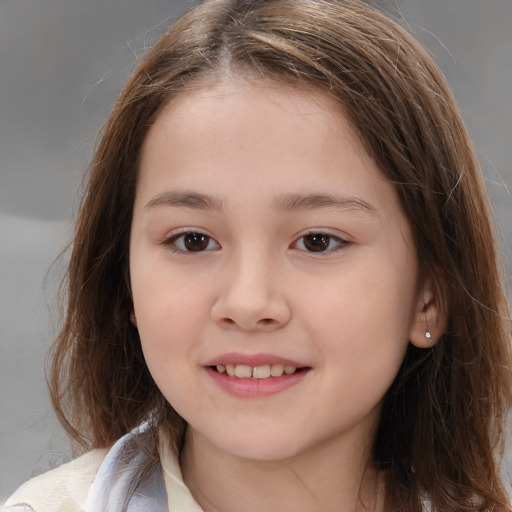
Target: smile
<point x="266" y="371"/>
<point x="255" y="376"/>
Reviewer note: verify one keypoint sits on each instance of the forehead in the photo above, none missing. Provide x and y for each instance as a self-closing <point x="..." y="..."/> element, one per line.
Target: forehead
<point x="296" y="139"/>
<point x="230" y="99"/>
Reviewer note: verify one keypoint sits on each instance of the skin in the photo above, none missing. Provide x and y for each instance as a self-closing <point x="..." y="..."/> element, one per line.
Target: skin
<point x="345" y="313"/>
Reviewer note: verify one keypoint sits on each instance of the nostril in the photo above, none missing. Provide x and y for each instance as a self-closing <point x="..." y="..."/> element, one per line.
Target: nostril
<point x="261" y="322"/>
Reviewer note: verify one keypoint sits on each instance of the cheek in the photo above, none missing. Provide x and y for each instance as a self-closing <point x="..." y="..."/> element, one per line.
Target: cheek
<point x="365" y="315"/>
<point x="163" y="296"/>
<point x="361" y="353"/>
<point x="170" y="318"/>
<point x="168" y="325"/>
<point x="367" y="301"/>
<point x="167" y="334"/>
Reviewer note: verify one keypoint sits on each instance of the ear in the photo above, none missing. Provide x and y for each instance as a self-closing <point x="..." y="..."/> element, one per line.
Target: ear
<point x="430" y="318"/>
<point x="133" y="318"/>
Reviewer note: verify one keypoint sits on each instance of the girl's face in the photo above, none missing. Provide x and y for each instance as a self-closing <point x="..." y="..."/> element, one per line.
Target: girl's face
<point x="266" y="243"/>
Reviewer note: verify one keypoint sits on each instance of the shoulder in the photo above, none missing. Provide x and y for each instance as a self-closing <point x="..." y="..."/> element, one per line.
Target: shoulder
<point x="63" y="489"/>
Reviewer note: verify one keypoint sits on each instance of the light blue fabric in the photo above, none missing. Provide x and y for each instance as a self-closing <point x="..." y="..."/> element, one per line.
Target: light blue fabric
<point x="119" y="470"/>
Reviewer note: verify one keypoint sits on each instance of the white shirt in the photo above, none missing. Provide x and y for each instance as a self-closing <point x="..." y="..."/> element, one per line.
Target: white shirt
<point x="73" y="487"/>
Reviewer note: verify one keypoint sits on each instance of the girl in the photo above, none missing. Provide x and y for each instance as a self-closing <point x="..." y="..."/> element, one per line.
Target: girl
<point x="283" y="292"/>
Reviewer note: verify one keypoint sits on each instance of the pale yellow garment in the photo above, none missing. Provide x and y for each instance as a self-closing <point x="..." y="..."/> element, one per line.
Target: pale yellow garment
<point x="179" y="498"/>
<point x="65" y="488"/>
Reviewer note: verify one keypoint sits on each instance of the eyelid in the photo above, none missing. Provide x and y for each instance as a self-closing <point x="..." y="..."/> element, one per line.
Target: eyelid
<point x="176" y="234"/>
<point x="342" y="241"/>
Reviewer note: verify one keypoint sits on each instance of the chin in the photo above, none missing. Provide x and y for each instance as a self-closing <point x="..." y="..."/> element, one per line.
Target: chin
<point x="261" y="448"/>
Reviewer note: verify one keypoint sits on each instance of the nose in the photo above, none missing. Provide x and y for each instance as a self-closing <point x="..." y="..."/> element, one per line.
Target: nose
<point x="252" y="296"/>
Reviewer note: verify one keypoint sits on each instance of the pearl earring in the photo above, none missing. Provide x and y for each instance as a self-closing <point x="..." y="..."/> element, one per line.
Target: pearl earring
<point x="428" y="336"/>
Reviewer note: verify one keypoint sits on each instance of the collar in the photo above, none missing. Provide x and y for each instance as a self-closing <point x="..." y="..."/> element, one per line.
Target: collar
<point x="115" y="486"/>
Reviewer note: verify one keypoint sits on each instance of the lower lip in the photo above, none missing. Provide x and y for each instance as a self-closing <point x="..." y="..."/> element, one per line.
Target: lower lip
<point x="254" y="388"/>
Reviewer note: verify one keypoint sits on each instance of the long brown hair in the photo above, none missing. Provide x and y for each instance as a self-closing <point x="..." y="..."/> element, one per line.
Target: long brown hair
<point x="442" y="421"/>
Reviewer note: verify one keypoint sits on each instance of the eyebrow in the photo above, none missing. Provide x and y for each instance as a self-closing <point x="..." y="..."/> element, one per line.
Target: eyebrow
<point x="291" y="202"/>
<point x="185" y="199"/>
<point x="288" y="202"/>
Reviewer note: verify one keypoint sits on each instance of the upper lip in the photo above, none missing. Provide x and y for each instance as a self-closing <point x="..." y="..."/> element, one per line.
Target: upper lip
<point x="252" y="360"/>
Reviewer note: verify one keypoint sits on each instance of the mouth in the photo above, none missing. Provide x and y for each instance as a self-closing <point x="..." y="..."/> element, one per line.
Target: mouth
<point x="262" y="372"/>
<point x="255" y="375"/>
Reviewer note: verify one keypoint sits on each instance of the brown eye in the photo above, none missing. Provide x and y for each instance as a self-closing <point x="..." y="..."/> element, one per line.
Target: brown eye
<point x="195" y="241"/>
<point x="192" y="241"/>
<point x="319" y="242"/>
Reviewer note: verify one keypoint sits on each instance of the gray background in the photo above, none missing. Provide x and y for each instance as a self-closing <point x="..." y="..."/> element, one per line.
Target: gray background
<point x="62" y="63"/>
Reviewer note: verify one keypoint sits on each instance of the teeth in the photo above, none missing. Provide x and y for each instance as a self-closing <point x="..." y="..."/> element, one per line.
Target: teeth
<point x="243" y="371"/>
<point x="276" y="370"/>
<point x="261" y="372"/>
<point x="289" y="370"/>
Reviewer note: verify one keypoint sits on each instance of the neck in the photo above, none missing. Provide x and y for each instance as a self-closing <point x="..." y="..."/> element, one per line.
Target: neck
<point x="332" y="478"/>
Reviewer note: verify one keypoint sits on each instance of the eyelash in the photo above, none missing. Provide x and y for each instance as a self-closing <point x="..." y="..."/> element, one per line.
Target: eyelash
<point x="180" y="238"/>
<point x="319" y="238"/>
